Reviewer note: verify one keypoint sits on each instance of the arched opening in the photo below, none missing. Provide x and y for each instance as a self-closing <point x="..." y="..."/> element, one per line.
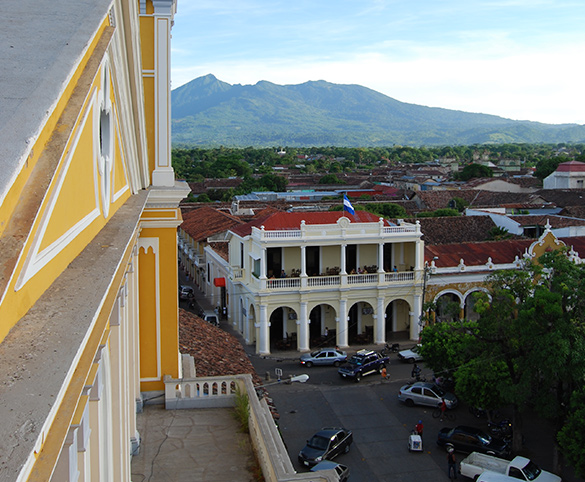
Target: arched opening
<point x="470" y="300"/>
<point x="322" y="330"/>
<point x="283" y="329"/>
<point x="361" y="323"/>
<point x="448" y="307"/>
<point x="397" y="320"/>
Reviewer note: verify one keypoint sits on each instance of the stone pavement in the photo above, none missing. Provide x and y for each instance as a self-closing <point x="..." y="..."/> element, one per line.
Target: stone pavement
<point x="187" y="445"/>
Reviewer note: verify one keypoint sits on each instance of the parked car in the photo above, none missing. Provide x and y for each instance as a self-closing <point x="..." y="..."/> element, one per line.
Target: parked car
<point x="470" y="439"/>
<point x="519" y="468"/>
<point x="186" y="292"/>
<point x="341" y="470"/>
<point x="326" y="444"/>
<point x="210" y="317"/>
<point x="426" y="393"/>
<point x="411" y="355"/>
<point x="363" y="363"/>
<point x="324" y="356"/>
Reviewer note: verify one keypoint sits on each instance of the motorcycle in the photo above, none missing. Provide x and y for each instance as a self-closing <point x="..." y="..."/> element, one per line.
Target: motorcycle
<point x="394" y="348"/>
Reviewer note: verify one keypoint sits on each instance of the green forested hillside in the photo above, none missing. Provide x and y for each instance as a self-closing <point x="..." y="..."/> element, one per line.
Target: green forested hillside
<point x="209" y="112"/>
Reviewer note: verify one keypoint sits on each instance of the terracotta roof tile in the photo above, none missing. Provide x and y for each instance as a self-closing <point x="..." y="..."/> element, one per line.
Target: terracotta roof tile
<point x="455" y="229"/>
<point x="542" y="220"/>
<point x="285" y="220"/>
<point x="563" y="197"/>
<point x="222" y="248"/>
<point x="475" y="254"/>
<point x="206" y="221"/>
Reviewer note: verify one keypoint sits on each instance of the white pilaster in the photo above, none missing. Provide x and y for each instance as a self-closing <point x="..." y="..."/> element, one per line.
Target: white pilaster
<point x="163" y="174"/>
<point x="380" y="332"/>
<point x="342" y="325"/>
<point x="303" y="328"/>
<point x="264" y="335"/>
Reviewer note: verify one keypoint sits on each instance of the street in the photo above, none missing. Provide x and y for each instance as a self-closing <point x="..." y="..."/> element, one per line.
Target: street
<point x="380" y="423"/>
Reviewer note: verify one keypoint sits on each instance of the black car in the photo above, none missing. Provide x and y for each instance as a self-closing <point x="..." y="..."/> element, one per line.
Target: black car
<point x="342" y="471"/>
<point x="363" y="363"/>
<point x="469" y="439"/>
<point x="326" y="444"/>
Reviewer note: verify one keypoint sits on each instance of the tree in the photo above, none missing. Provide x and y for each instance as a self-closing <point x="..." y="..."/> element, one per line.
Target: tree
<point x="527" y="349"/>
<point x="497" y="233"/>
<point x="330" y="179"/>
<point x="547" y="166"/>
<point x="472" y="171"/>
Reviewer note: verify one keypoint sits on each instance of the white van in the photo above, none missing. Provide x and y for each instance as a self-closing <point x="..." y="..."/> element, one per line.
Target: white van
<point x="210" y="317"/>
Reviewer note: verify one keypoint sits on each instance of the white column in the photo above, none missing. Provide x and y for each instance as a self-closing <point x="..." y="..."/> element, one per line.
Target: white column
<point x="342" y="261"/>
<point x="415" y="317"/>
<point x="380" y="257"/>
<point x="163" y="174"/>
<point x="303" y="337"/>
<point x="263" y="346"/>
<point x="342" y="325"/>
<point x="380" y="331"/>
<point x="284" y="322"/>
<point x="303" y="261"/>
<point x="263" y="264"/>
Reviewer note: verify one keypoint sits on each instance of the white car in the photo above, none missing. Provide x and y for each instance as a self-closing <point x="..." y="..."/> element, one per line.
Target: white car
<point x="411" y="355"/>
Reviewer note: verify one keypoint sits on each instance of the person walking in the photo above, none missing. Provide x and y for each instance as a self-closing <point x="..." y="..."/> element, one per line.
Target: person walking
<point x="384" y="373"/>
<point x="415" y="373"/>
<point x="451" y="463"/>
<point x="419" y="428"/>
<point x="443" y="408"/>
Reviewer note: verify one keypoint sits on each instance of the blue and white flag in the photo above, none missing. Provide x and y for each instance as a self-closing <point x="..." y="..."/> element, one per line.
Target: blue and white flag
<point x="347" y="205"/>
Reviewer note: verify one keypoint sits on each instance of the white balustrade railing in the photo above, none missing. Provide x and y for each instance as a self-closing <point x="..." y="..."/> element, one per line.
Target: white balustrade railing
<point x="285" y="283"/>
<point x="323" y="281"/>
<point x="399" y="277"/>
<point x="200" y="392"/>
<point x="357" y="279"/>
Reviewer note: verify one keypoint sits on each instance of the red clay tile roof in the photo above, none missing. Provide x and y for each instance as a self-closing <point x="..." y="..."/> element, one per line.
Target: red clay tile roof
<point x="475" y="254"/>
<point x="222" y="248"/>
<point x="563" y="197"/>
<point x="206" y="221"/>
<point x="455" y="229"/>
<point x="500" y="252"/>
<point x="433" y="200"/>
<point x="574" y="211"/>
<point x="541" y="220"/>
<point x="283" y="221"/>
<point x="571" y="166"/>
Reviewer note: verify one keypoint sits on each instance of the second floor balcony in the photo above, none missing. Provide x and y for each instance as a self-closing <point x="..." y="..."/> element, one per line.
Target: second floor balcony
<point x="326" y="282"/>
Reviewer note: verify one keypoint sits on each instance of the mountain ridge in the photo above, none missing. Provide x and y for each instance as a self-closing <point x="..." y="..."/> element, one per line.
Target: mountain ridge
<point x="210" y="112"/>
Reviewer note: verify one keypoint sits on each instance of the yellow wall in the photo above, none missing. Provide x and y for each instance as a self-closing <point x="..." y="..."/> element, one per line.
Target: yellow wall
<point x="368" y="255"/>
<point x="72" y="194"/>
<point x="330" y="257"/>
<point x="292" y="259"/>
<point x="165" y="343"/>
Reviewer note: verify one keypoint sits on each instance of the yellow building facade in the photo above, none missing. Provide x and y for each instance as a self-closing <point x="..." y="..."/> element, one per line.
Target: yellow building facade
<point x="88" y="218"/>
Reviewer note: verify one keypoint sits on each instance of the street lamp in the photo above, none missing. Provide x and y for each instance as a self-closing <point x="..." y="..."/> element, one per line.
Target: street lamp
<point x="427" y="270"/>
<point x="296" y="378"/>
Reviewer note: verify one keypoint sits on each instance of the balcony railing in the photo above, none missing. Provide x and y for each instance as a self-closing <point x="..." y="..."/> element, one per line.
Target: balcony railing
<point x="314" y="281"/>
<point x="399" y="277"/>
<point x="285" y="283"/>
<point x="360" y="279"/>
<point x="323" y="282"/>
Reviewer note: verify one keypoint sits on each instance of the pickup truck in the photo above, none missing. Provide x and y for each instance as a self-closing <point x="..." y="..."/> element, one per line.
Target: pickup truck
<point x="363" y="363"/>
<point x="478" y="466"/>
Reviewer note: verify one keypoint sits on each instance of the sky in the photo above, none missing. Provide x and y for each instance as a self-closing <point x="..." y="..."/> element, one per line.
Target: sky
<point x="519" y="59"/>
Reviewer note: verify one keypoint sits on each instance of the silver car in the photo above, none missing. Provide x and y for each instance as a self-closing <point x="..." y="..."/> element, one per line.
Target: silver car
<point x="411" y="355"/>
<point x="324" y="356"/>
<point x="424" y="393"/>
